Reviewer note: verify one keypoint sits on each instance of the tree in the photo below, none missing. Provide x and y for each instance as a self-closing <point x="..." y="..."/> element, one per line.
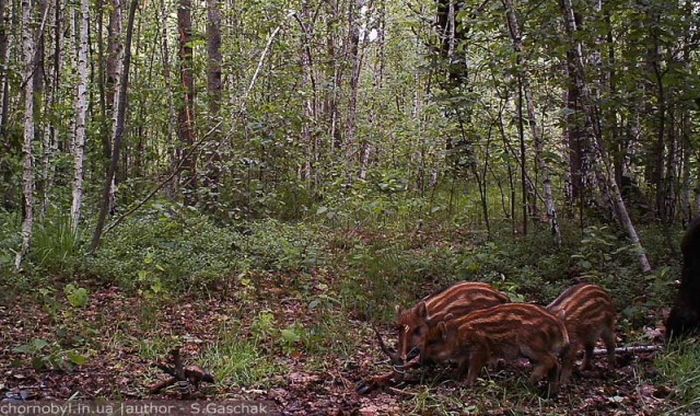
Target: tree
<point x="81" y="110"/>
<point x="27" y="148"/>
<point x="215" y="91"/>
<point x="118" y="128"/>
<point x="606" y="176"/>
<point x="186" y="121"/>
<point x="536" y="131"/>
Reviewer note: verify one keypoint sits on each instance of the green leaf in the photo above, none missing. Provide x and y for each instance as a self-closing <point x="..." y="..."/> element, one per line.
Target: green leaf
<point x="76" y="358"/>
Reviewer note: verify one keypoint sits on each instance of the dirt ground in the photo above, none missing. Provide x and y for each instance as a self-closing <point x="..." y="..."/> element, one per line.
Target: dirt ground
<point x="111" y="326"/>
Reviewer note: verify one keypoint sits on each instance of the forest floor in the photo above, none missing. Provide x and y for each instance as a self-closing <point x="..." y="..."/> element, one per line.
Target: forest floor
<point x="122" y="335"/>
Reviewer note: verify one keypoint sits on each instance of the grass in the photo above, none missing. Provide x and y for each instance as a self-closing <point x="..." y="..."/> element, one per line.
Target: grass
<point x="241" y="361"/>
<point x="680" y="367"/>
<point x="342" y="268"/>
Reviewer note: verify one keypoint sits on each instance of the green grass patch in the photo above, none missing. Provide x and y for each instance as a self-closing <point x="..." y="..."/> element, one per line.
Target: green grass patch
<point x="241" y="361"/>
<point x="680" y="367"/>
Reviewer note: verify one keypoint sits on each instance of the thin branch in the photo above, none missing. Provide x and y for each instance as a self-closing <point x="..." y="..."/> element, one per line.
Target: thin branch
<point x="261" y="61"/>
<point x="160" y="186"/>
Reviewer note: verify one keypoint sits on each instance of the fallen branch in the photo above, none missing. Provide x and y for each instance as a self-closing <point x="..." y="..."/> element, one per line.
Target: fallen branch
<point x="383" y="346"/>
<point x="632" y="349"/>
<point x="193" y="374"/>
<point x="389" y="379"/>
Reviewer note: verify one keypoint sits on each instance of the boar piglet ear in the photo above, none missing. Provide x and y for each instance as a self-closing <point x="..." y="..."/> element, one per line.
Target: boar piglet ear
<point x="422" y="310"/>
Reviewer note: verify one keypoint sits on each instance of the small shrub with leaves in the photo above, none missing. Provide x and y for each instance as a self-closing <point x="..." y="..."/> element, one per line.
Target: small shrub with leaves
<point x="44" y="355"/>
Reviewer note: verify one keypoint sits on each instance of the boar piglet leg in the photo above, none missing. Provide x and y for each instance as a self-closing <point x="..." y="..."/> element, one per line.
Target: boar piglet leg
<point x="588" y="348"/>
<point x="609" y="341"/>
<point x="478" y="356"/>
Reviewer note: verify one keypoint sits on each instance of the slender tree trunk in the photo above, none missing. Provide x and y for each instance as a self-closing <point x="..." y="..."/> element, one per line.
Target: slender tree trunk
<point x="114" y="70"/>
<point x="535" y="129"/>
<point x="81" y="108"/>
<point x="368" y="147"/>
<point x="186" y="112"/>
<point x="574" y="132"/>
<point x="173" y="148"/>
<point x="355" y="50"/>
<point x="50" y="136"/>
<point x="523" y="166"/>
<point x="215" y="90"/>
<point x="308" y="82"/>
<point x="335" y="76"/>
<point x="603" y="165"/>
<point x="27" y="148"/>
<point x="120" y="111"/>
<point x="4" y="65"/>
<point x="114" y="61"/>
<point x="39" y="70"/>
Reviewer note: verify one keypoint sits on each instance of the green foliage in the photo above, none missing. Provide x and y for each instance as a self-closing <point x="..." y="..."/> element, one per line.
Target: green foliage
<point x="166" y="246"/>
<point x="173" y="248"/>
<point x="55" y="248"/>
<point x="44" y="355"/>
<point x="599" y="247"/>
<point x="78" y="297"/>
<point x="9" y="239"/>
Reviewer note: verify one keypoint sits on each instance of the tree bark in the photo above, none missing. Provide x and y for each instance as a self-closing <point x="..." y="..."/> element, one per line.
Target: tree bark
<point x="215" y="90"/>
<point x="81" y="109"/>
<point x="118" y="128"/>
<point x="114" y="59"/>
<point x="308" y="83"/>
<point x="535" y="129"/>
<point x="355" y="50"/>
<point x="4" y="66"/>
<point x="27" y="148"/>
<point x="50" y="135"/>
<point x="603" y="165"/>
<point x="186" y="112"/>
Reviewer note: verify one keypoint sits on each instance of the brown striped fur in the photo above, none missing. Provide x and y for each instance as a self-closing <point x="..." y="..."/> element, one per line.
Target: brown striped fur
<point x="589" y="314"/>
<point x="459" y="299"/>
<point x="504" y="331"/>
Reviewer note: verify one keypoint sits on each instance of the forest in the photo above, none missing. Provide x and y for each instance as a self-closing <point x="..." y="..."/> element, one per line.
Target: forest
<point x="372" y="207"/>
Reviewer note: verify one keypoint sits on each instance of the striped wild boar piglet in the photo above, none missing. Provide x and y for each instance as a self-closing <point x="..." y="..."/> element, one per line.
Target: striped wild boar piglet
<point x="505" y="331"/>
<point x="458" y="300"/>
<point x="589" y="314"/>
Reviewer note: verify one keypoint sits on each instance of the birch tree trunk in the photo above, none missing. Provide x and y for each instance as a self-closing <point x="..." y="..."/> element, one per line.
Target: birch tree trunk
<point x="4" y="61"/>
<point x="114" y="73"/>
<point x="27" y="151"/>
<point x="120" y="111"/>
<point x="114" y="55"/>
<point x="81" y="108"/>
<point x="605" y="172"/>
<point x="535" y="130"/>
<point x="52" y="97"/>
<point x="51" y="131"/>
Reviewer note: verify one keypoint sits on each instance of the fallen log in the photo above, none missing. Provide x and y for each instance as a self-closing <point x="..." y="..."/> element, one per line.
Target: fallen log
<point x="631" y="349"/>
